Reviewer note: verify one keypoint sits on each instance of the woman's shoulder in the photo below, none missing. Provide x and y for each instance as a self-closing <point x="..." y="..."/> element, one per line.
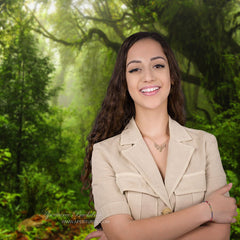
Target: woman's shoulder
<point x="185" y="132"/>
<point x="108" y="143"/>
<point x="200" y="134"/>
<point x="129" y="134"/>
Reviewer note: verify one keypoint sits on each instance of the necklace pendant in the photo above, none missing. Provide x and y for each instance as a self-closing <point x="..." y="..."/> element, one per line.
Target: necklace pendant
<point x="160" y="147"/>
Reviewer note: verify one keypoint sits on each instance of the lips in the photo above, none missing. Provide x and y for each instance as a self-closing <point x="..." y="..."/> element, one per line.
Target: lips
<point x="150" y="90"/>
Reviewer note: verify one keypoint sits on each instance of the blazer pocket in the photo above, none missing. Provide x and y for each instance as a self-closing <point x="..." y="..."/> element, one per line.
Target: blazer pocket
<point x="190" y="190"/>
<point x="138" y="193"/>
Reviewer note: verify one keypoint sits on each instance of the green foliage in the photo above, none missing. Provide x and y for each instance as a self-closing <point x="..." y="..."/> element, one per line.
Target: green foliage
<point x="235" y="191"/>
<point x="235" y="228"/>
<point x="6" y="235"/>
<point x="51" y="227"/>
<point x="8" y="207"/>
<point x="226" y="127"/>
<point x="39" y="192"/>
<point x="31" y="130"/>
<point x="7" y="201"/>
<point x="8" y="210"/>
<point x="5" y="156"/>
<point x="24" y="79"/>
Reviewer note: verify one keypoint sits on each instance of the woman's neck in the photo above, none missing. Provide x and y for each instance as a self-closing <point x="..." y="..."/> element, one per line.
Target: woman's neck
<point x="153" y="124"/>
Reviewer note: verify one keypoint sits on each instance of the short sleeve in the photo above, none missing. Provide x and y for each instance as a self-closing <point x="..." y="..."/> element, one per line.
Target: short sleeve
<point x="108" y="200"/>
<point x="215" y="175"/>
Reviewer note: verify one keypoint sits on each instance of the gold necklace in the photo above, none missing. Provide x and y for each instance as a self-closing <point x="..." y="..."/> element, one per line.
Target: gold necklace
<point x="160" y="147"/>
<point x="157" y="146"/>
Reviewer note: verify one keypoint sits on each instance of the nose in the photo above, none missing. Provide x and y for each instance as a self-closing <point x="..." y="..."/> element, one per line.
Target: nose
<point x="148" y="75"/>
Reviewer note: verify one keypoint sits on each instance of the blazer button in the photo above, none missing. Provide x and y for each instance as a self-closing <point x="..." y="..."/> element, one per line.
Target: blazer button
<point x="166" y="211"/>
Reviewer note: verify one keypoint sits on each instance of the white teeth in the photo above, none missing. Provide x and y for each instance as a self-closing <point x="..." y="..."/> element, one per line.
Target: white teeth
<point x="149" y="89"/>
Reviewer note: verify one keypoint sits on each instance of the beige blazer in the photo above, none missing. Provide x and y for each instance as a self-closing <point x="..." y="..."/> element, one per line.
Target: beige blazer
<point x="126" y="179"/>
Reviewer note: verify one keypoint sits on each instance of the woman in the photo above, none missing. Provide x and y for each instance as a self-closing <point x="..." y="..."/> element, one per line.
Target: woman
<point x="152" y="178"/>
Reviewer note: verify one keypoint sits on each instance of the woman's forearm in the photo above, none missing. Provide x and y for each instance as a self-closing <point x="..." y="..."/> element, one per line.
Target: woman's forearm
<point x="172" y="226"/>
<point x="221" y="210"/>
<point x="210" y="231"/>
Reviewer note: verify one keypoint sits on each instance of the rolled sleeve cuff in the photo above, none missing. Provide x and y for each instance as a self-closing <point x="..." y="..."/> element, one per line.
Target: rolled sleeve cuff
<point x="109" y="210"/>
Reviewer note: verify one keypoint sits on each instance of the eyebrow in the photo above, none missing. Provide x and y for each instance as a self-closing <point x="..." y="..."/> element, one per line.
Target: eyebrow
<point x="134" y="61"/>
<point x="152" y="59"/>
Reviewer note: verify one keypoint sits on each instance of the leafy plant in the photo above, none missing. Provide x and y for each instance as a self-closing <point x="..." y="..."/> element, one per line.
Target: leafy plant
<point x="5" y="156"/>
<point x="39" y="192"/>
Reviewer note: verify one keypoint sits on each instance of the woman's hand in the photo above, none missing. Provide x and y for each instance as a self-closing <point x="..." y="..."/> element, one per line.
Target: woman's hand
<point x="224" y="208"/>
<point x="97" y="234"/>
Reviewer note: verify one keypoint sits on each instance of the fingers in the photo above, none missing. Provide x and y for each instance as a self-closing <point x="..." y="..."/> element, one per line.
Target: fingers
<point x="233" y="220"/>
<point x="225" y="189"/>
<point x="224" y="208"/>
<point x="234" y="209"/>
<point x="94" y="235"/>
<point x="103" y="237"/>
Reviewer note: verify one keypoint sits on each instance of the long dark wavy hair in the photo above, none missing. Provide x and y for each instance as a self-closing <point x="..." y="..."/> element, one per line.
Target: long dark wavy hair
<point x="118" y="107"/>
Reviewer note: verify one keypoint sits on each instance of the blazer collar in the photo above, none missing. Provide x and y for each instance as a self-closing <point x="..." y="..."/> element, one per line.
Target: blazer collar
<point x="179" y="155"/>
<point x="178" y="132"/>
<point x="131" y="133"/>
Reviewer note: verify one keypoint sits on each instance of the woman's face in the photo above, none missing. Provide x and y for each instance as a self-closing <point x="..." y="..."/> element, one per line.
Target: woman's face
<point x="148" y="75"/>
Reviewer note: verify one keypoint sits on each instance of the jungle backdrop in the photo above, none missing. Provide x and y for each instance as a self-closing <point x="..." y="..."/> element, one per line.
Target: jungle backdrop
<point x="56" y="59"/>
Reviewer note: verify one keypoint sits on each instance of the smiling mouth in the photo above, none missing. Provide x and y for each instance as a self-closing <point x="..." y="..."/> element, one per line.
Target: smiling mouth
<point x="149" y="90"/>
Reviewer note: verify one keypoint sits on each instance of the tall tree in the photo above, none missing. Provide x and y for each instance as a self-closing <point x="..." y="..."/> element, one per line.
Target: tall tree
<point x="24" y="95"/>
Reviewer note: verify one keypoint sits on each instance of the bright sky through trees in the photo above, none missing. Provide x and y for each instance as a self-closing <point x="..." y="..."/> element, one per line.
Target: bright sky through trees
<point x="34" y="5"/>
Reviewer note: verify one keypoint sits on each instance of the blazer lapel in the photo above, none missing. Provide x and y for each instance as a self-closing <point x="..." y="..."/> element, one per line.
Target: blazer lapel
<point x="137" y="152"/>
<point x="179" y="154"/>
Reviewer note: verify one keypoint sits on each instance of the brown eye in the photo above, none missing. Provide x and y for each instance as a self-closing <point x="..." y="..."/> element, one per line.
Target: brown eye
<point x="134" y="70"/>
<point x="159" y="66"/>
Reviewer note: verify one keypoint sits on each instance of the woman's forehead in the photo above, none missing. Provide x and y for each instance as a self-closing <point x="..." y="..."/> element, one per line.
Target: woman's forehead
<point x="145" y="49"/>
